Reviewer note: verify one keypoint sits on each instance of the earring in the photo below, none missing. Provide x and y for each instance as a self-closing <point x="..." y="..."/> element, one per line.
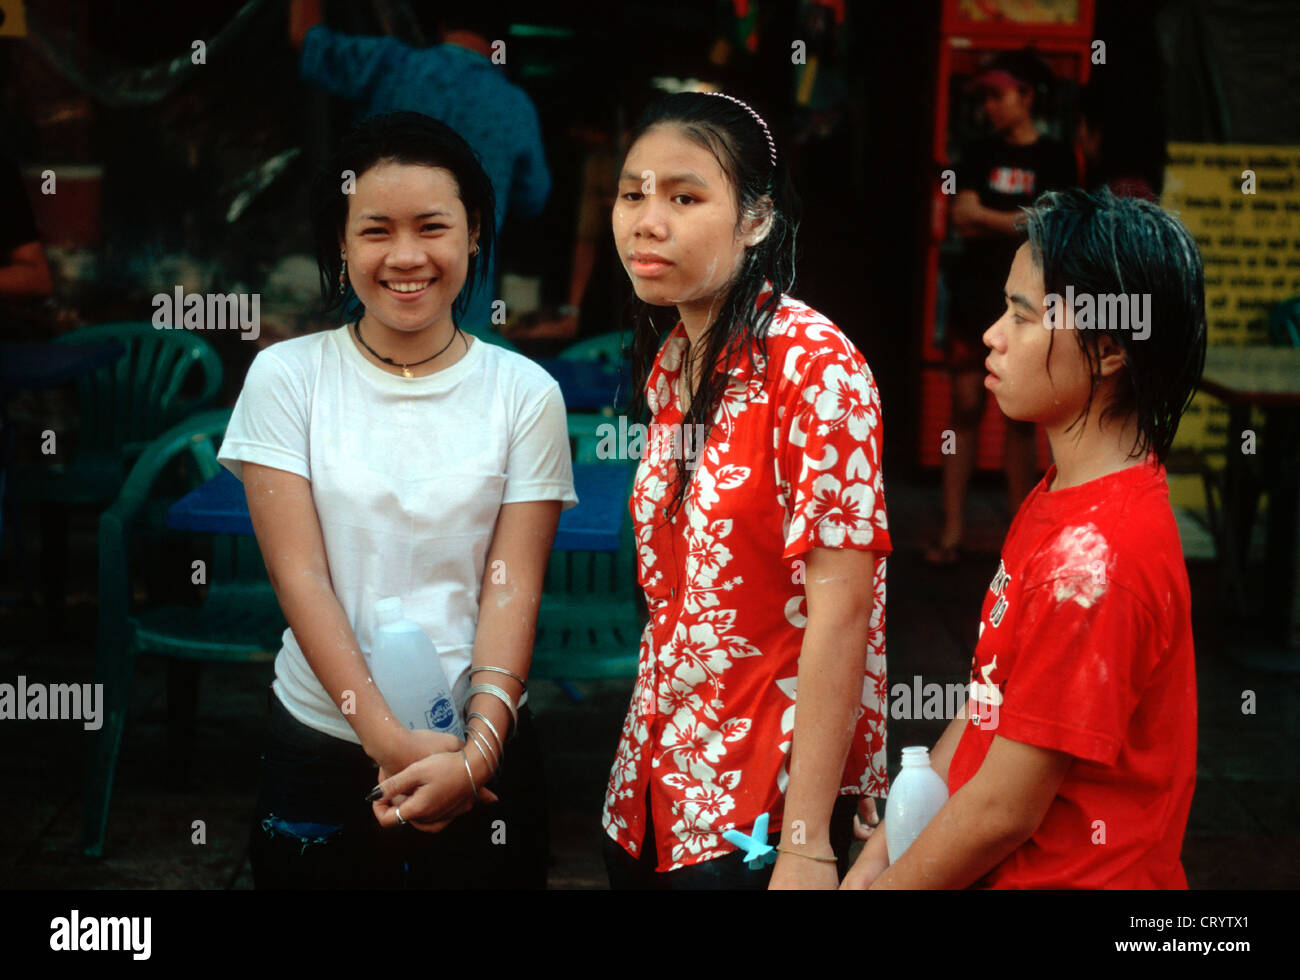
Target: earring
<point x="474" y="250"/>
<point x="343" y="275"/>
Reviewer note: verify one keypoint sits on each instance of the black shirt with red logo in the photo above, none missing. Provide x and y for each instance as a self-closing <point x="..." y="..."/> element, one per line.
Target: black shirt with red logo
<point x="1006" y="178"/>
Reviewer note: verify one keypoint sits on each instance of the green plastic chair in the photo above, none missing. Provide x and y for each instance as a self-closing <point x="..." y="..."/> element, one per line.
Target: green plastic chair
<point x="121" y="407"/>
<point x="585" y="436"/>
<point x="239" y="619"/>
<point x="591" y="617"/>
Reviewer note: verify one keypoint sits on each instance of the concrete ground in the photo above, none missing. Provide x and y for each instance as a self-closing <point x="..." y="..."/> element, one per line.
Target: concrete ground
<point x="1244" y="830"/>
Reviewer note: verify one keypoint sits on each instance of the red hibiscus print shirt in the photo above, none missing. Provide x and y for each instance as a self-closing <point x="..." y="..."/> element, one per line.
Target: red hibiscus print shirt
<point x="792" y="463"/>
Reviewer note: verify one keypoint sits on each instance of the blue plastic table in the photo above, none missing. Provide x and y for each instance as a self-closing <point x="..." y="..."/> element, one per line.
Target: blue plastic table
<point x="586" y="385"/>
<point x="220" y="507"/>
<point x="36" y="365"/>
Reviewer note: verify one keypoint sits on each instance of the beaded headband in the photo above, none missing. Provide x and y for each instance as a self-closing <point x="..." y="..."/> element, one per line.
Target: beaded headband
<point x="771" y="146"/>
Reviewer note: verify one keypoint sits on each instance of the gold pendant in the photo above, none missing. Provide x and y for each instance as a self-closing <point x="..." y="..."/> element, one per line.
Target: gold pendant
<point x="406" y="372"/>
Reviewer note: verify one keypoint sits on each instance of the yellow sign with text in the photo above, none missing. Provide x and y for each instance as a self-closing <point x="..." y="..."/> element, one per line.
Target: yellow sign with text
<point x="1242" y="205"/>
<point x="13" y="19"/>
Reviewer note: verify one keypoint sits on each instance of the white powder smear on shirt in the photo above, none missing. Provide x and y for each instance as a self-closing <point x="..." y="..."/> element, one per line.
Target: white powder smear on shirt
<point x="1080" y="560"/>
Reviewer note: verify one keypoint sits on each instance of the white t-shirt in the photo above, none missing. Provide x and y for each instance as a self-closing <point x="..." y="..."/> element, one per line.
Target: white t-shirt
<point x="408" y="476"/>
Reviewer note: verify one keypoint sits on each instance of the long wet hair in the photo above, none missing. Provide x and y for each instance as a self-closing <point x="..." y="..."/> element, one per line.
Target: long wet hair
<point x="1102" y="244"/>
<point x="398" y="137"/>
<point x="740" y="144"/>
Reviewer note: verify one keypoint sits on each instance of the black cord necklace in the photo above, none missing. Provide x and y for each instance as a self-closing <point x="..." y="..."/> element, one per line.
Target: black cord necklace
<point x="406" y="368"/>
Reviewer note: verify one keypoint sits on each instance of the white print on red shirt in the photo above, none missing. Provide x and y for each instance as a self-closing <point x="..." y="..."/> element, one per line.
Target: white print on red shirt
<point x="986" y="695"/>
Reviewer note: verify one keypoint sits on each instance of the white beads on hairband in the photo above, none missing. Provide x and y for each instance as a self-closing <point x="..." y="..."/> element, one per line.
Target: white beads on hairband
<point x="771" y="146"/>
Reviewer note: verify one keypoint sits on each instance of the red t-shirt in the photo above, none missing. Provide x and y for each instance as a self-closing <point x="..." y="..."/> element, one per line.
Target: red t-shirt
<point x="1085" y="647"/>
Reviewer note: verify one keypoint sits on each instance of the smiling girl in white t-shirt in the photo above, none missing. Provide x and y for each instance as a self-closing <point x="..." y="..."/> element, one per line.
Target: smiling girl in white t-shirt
<point x="396" y="456"/>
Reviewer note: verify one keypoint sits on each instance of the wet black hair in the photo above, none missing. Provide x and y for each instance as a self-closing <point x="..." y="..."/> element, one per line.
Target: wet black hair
<point x="398" y="137"/>
<point x="760" y="187"/>
<point x="1102" y="244"/>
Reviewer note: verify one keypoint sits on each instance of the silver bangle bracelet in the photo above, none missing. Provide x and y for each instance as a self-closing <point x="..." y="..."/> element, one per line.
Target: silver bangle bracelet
<point x="492" y="758"/>
<point x="494" y="763"/>
<point x="491" y="772"/>
<point x="500" y="670"/>
<point x="470" y="773"/>
<point x="496" y="692"/>
<point x="491" y="727"/>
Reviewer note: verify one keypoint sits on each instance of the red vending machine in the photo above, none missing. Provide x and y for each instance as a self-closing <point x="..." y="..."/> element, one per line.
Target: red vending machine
<point x="971" y="31"/>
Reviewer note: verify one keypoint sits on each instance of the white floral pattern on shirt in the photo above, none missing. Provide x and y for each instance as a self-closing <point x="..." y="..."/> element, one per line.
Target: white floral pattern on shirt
<point x="791" y="464"/>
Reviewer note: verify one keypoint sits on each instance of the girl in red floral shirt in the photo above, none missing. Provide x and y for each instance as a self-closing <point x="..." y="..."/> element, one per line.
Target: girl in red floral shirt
<point x="760" y="523"/>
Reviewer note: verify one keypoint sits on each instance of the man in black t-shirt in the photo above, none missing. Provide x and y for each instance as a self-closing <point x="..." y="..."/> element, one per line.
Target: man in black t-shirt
<point x="1002" y="178"/>
<point x="995" y="178"/>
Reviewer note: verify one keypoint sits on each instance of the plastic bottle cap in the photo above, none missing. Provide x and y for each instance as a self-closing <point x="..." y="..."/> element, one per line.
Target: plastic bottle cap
<point x="388" y="610"/>
<point x="916" y="755"/>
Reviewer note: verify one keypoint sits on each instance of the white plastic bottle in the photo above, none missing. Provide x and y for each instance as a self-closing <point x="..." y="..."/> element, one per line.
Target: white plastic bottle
<point x="916" y="796"/>
<point x="405" y="667"/>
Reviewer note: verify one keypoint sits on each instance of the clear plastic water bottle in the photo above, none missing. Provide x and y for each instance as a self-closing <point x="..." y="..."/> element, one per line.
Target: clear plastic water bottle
<point x="916" y="796"/>
<point x="405" y="667"/>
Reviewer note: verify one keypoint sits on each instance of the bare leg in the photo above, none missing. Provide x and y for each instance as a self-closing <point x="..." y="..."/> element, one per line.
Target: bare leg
<point x="1019" y="462"/>
<point x="967" y="407"/>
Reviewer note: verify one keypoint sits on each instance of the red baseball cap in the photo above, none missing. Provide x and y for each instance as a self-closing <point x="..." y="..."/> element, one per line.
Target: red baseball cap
<point x="1012" y="69"/>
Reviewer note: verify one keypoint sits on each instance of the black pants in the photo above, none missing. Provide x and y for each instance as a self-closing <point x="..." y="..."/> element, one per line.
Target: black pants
<point x="313" y="829"/>
<point x="730" y="872"/>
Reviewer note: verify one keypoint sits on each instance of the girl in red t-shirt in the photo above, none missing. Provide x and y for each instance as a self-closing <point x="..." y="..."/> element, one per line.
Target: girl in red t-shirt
<point x="1074" y="762"/>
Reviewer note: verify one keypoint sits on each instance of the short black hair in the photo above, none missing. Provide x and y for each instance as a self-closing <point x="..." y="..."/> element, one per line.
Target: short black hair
<point x="1101" y="244"/>
<point x="399" y="137"/>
